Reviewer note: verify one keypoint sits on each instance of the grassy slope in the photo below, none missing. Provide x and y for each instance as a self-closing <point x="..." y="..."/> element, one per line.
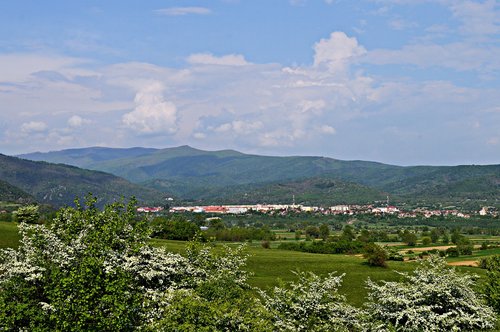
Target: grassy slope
<point x="9" y="236"/>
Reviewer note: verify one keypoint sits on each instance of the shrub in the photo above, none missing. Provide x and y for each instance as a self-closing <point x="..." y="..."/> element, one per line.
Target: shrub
<point x="311" y="304"/>
<point x="393" y="254"/>
<point x="453" y="252"/>
<point x="375" y="254"/>
<point x="433" y="298"/>
<point x="426" y="241"/>
<point x="28" y="214"/>
<point x="86" y="270"/>
<point x="492" y="285"/>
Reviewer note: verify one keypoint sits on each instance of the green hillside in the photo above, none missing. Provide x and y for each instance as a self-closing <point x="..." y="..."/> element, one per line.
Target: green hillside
<point x="189" y="173"/>
<point x="58" y="184"/>
<point x="10" y="193"/>
<point x="85" y="158"/>
<point x="311" y="191"/>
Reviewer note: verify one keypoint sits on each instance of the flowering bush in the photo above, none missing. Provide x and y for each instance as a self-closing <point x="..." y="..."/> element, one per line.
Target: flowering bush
<point x="88" y="270"/>
<point x="311" y="304"/>
<point x="434" y="298"/>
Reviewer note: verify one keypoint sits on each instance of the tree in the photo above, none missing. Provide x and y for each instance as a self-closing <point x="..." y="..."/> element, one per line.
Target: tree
<point x="435" y="235"/>
<point x="176" y="228"/>
<point x="426" y="241"/>
<point x="375" y="254"/>
<point x="348" y="233"/>
<point x="446" y="238"/>
<point x="409" y="238"/>
<point x="312" y="231"/>
<point x="311" y="304"/>
<point x="28" y="214"/>
<point x="324" y="231"/>
<point x="434" y="298"/>
<point x="456" y="237"/>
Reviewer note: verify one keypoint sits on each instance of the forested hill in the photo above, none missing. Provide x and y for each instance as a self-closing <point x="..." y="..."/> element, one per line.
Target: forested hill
<point x="59" y="184"/>
<point x="10" y="193"/>
<point x="191" y="173"/>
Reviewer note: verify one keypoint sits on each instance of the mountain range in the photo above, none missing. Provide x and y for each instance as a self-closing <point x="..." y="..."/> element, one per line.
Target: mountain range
<point x="229" y="176"/>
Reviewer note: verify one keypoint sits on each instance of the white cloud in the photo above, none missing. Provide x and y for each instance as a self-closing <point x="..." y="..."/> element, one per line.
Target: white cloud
<point x="199" y="135"/>
<point x="77" y="121"/>
<point x="459" y="56"/>
<point x="312" y="105"/>
<point x="180" y="11"/>
<point x="33" y="127"/>
<point x="327" y="129"/>
<point x="239" y="127"/>
<point x="18" y="67"/>
<point x="493" y="141"/>
<point x="478" y="18"/>
<point x="210" y="59"/>
<point x="152" y="114"/>
<point x="337" y="51"/>
<point x="299" y="3"/>
<point x="401" y="24"/>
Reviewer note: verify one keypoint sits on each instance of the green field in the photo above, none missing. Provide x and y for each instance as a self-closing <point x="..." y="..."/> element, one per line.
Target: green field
<point x="9" y="237"/>
<point x="269" y="265"/>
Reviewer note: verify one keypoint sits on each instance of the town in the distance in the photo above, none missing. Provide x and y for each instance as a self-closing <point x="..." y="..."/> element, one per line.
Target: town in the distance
<point x="284" y="209"/>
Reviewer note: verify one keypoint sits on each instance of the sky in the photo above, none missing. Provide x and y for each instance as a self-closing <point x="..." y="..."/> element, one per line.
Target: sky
<point x="405" y="82"/>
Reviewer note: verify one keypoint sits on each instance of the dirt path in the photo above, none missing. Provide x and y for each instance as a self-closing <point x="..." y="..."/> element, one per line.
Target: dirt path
<point x="428" y="248"/>
<point x="465" y="263"/>
<point x="436" y="247"/>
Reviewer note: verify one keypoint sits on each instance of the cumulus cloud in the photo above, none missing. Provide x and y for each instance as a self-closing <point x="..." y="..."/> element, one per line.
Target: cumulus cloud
<point x="336" y="51"/>
<point x="181" y="11"/>
<point x="152" y="114"/>
<point x="327" y="129"/>
<point x="77" y="121"/>
<point x="210" y="59"/>
<point x="239" y="127"/>
<point x="33" y="127"/>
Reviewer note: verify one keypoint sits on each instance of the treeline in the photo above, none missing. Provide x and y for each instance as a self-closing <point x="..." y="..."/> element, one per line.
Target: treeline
<point x="179" y="228"/>
<point x="325" y="247"/>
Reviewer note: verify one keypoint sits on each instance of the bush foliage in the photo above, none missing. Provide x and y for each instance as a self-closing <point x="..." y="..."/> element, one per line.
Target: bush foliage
<point x="433" y="298"/>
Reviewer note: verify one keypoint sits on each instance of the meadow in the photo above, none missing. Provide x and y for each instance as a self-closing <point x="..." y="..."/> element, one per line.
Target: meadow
<point x="268" y="266"/>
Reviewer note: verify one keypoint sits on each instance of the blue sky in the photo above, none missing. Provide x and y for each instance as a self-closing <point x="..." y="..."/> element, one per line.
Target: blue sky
<point x="397" y="81"/>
